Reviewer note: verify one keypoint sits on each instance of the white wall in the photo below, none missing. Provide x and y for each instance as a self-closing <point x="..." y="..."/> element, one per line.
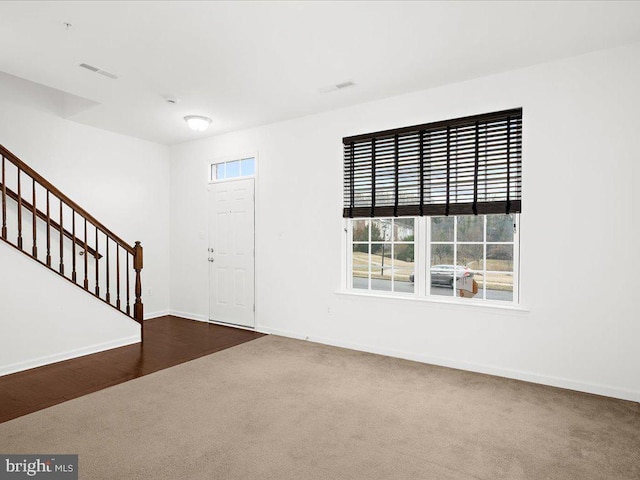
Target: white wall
<point x="123" y="182"/>
<point x="45" y="319"/>
<point x="578" y="255"/>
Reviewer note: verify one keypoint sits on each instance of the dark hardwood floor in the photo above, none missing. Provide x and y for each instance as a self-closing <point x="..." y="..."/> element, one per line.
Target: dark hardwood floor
<point x="168" y="341"/>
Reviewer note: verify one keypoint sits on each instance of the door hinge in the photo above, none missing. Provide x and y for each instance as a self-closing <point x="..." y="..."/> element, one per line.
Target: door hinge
<point x="254" y="308"/>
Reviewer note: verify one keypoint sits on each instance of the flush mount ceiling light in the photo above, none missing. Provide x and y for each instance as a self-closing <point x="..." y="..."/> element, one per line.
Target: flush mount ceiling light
<point x="197" y="123"/>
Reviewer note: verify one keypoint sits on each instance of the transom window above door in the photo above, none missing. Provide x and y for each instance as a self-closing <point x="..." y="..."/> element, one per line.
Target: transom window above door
<point x="232" y="169"/>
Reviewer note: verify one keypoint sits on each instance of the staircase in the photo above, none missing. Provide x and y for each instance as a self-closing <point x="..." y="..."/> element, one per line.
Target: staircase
<point x="43" y="223"/>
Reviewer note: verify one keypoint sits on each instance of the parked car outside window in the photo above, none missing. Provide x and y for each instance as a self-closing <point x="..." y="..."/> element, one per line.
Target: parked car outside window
<point x="443" y="274"/>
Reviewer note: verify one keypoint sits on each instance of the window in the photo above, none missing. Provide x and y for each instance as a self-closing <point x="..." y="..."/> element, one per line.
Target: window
<point x="482" y="248"/>
<point x="433" y="210"/>
<point x="386" y="255"/>
<point x="245" y="167"/>
<point x="383" y="254"/>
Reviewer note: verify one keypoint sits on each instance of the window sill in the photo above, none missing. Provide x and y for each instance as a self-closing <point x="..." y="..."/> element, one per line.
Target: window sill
<point x="454" y="303"/>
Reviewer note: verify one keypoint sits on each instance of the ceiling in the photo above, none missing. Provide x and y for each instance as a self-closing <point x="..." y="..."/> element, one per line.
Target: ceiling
<point x="249" y="63"/>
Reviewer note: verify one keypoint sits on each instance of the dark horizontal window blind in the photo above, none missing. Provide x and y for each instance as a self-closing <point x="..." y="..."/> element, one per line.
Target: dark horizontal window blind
<point x="465" y="166"/>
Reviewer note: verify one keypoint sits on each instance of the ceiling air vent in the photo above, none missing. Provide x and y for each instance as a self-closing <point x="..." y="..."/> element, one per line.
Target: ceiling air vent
<point x="337" y="86"/>
<point x="89" y="67"/>
<point x="98" y="70"/>
<point x="344" y="85"/>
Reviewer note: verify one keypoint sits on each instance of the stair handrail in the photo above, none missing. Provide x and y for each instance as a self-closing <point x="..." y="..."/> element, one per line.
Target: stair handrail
<point x="56" y="191"/>
<point x="43" y="216"/>
<point x="136" y="251"/>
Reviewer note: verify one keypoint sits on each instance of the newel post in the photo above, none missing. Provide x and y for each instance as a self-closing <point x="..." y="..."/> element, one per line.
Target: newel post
<point x="138" y="308"/>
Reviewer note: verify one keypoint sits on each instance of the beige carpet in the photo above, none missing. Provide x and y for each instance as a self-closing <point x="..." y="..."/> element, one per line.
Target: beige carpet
<point x="280" y="409"/>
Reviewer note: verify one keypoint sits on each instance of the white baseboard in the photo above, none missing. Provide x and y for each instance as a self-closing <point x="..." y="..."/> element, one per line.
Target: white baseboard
<point x="149" y="316"/>
<point x="596" y="389"/>
<point x="239" y="327"/>
<point x="59" y="357"/>
<point x="203" y="318"/>
<point x="189" y="316"/>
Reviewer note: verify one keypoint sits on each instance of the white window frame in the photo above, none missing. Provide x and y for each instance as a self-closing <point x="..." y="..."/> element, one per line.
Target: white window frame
<point x="422" y="256"/>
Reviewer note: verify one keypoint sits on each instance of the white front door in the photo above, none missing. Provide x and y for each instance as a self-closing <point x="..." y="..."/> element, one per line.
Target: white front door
<point x="231" y="252"/>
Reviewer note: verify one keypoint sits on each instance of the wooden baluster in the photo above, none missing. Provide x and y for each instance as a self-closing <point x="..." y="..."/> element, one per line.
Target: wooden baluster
<point x="128" y="287"/>
<point x="108" y="297"/>
<point x="34" y="214"/>
<point x="4" y="201"/>
<point x="48" y="230"/>
<point x="78" y="244"/>
<point x="97" y="266"/>
<point x="61" y="241"/>
<point x="138" y="307"/>
<point x="19" y="211"/>
<point x="73" y="245"/>
<point x="86" y="258"/>
<point x="118" y="276"/>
